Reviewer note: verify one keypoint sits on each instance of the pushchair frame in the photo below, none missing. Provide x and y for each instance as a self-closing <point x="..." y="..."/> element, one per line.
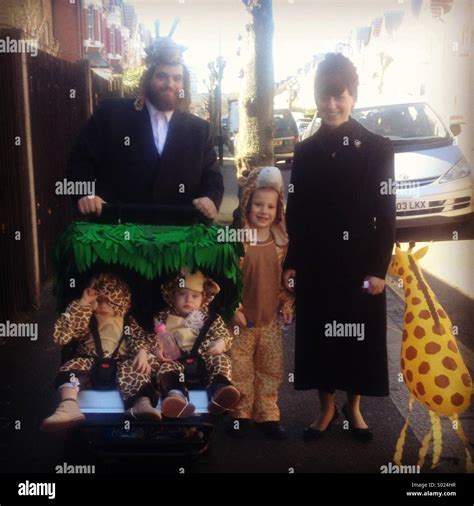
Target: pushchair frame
<point x="86" y="248"/>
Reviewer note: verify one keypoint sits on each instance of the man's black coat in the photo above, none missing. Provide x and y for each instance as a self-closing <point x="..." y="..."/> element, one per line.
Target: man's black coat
<point x="116" y="149"/>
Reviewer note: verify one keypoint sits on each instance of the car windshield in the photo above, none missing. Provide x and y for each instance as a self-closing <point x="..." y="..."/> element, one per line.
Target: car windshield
<point x="403" y="123"/>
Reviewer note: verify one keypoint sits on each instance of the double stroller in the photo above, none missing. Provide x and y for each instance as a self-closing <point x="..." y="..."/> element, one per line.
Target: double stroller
<point x="123" y="241"/>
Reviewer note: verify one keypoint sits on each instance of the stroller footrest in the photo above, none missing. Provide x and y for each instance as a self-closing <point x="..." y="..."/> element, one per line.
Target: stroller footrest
<point x="109" y="401"/>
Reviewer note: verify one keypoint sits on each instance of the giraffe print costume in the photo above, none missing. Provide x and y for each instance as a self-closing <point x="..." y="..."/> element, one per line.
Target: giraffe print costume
<point x="432" y="367"/>
<point x="74" y="325"/>
<point x="257" y="355"/>
<point x="217" y="366"/>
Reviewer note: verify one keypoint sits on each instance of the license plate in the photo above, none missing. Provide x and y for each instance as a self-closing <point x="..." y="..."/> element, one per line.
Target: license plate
<point x="411" y="205"/>
<point x="278" y="143"/>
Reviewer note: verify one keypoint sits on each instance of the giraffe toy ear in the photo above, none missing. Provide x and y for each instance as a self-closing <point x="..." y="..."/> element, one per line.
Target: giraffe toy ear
<point x="421" y="252"/>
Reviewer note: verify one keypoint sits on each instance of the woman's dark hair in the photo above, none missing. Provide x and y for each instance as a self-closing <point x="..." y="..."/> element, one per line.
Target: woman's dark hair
<point x="333" y="75"/>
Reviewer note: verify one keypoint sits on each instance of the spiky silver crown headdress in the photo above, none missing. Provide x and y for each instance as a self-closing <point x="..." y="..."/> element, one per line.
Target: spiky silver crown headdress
<point x="164" y="50"/>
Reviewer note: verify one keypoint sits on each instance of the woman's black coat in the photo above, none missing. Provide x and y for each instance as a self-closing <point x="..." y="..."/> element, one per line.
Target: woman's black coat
<point x="341" y="224"/>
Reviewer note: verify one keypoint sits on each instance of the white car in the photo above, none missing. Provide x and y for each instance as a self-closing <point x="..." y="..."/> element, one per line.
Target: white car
<point x="433" y="178"/>
<point x="302" y="125"/>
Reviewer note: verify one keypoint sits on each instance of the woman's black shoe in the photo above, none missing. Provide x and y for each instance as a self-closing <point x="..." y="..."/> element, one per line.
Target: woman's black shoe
<point x="362" y="435"/>
<point x="310" y="434"/>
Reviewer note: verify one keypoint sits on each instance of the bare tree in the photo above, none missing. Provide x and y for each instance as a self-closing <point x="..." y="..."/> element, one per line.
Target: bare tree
<point x="29" y="15"/>
<point x="216" y="73"/>
<point x="206" y="103"/>
<point x="210" y="83"/>
<point x="255" y="136"/>
<point x="385" y="61"/>
<point x="293" y="91"/>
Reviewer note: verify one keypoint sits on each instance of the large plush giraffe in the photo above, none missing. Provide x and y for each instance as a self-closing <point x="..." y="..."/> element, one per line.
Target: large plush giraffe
<point x="432" y="367"/>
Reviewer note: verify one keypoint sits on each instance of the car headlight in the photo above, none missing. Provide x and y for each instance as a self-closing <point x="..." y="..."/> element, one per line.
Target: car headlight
<point x="457" y="171"/>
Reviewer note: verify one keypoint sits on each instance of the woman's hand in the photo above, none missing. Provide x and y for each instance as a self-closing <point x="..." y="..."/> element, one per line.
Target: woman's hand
<point x="289" y="274"/>
<point x="376" y="285"/>
<point x="240" y="319"/>
<point x="217" y="347"/>
<point x="140" y="364"/>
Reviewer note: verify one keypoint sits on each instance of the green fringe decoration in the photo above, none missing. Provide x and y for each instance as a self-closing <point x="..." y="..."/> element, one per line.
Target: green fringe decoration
<point x="152" y="251"/>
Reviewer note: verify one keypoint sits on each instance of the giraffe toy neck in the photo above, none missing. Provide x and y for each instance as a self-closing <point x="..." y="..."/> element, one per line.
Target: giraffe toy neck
<point x="419" y="290"/>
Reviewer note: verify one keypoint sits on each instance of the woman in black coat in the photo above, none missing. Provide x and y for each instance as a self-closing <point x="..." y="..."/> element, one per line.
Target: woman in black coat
<point x="341" y="225"/>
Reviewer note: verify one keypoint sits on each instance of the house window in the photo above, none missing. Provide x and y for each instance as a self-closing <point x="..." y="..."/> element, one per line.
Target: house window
<point x="90" y="23"/>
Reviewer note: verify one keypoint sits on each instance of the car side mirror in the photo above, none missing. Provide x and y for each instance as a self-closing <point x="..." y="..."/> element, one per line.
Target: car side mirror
<point x="455" y="129"/>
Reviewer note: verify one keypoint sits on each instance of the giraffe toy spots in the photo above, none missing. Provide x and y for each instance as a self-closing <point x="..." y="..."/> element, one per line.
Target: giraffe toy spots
<point x="432" y="366"/>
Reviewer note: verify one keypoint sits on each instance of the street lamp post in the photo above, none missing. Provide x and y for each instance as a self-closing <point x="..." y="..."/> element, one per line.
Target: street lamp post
<point x="220" y="70"/>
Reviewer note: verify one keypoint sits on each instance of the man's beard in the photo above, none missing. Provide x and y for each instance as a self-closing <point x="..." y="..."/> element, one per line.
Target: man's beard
<point x="161" y="102"/>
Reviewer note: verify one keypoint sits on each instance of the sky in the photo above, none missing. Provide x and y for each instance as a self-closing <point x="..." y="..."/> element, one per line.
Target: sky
<point x="301" y="28"/>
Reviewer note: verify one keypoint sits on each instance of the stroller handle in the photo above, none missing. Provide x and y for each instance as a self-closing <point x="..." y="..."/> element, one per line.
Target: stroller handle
<point x="152" y="207"/>
<point x="152" y="213"/>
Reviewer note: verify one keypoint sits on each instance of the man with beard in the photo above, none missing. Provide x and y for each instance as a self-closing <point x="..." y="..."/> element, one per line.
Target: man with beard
<point x="150" y="150"/>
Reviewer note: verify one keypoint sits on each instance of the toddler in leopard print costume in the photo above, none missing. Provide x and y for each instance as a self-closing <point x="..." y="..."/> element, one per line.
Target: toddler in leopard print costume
<point x="107" y="300"/>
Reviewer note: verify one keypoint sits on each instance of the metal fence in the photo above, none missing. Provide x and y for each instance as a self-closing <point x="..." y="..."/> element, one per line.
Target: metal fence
<point x="44" y="102"/>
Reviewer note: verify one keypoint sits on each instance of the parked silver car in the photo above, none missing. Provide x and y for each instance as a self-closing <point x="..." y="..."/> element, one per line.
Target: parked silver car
<point x="433" y="178"/>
